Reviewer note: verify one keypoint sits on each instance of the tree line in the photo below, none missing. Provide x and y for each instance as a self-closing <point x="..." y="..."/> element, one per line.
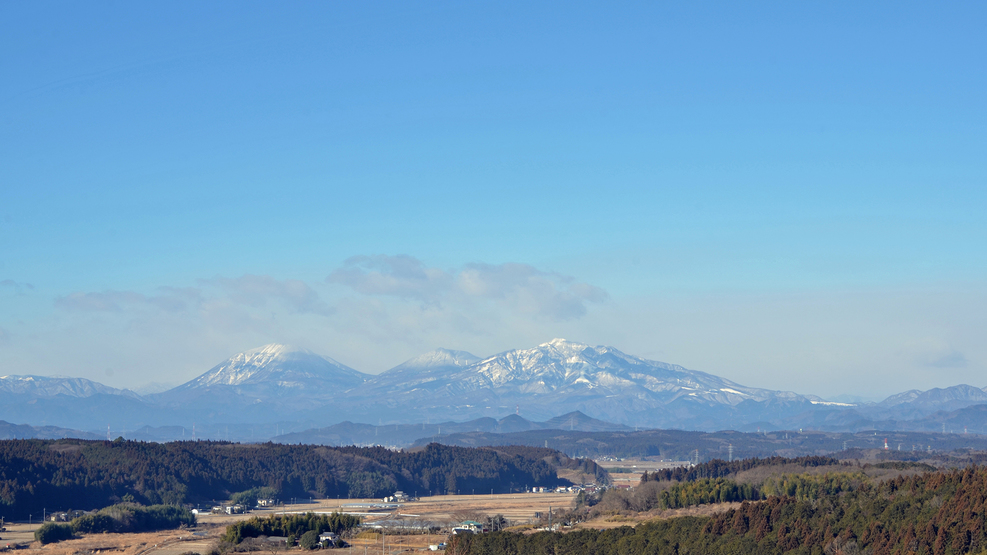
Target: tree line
<point x="718" y="468"/>
<point x="937" y="513"/>
<point x="289" y="526"/>
<point x="124" y="517"/>
<point x="79" y="474"/>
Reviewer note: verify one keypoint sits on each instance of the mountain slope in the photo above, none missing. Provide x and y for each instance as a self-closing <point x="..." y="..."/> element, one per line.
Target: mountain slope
<point x="277" y="366"/>
<point x="347" y="433"/>
<point x="50" y="386"/>
<point x="266" y="384"/>
<point x="25" y="431"/>
<point x="298" y="389"/>
<point x="936" y="398"/>
<point x="558" y="377"/>
<point x="425" y="372"/>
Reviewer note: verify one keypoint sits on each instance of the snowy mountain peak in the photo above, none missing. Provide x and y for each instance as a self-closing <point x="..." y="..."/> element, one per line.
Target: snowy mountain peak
<point x="277" y="365"/>
<point x="439" y="358"/>
<point x="564" y="346"/>
<point x="569" y="368"/>
<point x="275" y="350"/>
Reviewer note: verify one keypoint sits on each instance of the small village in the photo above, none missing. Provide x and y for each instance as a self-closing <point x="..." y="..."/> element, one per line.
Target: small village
<point x="398" y="522"/>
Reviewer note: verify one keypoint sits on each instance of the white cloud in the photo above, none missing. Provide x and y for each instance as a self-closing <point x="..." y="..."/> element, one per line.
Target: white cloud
<point x="518" y="288"/>
<point x="17" y="286"/>
<point x="938" y="354"/>
<point x="375" y="312"/>
<point x="249" y="291"/>
<point x="259" y="291"/>
<point x="399" y="276"/>
<point x="169" y="299"/>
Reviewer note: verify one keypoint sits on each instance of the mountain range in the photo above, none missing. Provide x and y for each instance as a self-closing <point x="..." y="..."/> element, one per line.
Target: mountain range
<point x="276" y="390"/>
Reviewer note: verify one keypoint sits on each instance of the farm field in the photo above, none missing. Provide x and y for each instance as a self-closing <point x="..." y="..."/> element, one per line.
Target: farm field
<point x="627" y="472"/>
<point x="517" y="507"/>
<point x="514" y="506"/>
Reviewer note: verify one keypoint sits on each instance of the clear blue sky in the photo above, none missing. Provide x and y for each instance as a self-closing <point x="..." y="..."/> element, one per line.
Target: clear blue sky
<point x="790" y="195"/>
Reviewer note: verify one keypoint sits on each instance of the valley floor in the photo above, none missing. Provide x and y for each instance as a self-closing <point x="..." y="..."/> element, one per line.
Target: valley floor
<point x="518" y="508"/>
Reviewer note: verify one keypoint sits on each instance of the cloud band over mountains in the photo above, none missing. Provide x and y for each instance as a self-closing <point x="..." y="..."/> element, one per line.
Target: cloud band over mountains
<point x="513" y="287"/>
<point x="518" y="287"/>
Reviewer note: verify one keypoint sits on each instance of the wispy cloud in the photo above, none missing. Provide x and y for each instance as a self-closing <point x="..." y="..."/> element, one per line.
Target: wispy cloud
<point x="520" y="288"/>
<point x="18" y="287"/>
<point x="400" y="276"/>
<point x="950" y="359"/>
<point x="932" y="352"/>
<point x="251" y="291"/>
<point x="169" y="299"/>
<point x="259" y="291"/>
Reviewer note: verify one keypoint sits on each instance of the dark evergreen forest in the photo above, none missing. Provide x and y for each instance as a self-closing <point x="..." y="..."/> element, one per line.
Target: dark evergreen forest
<point x="936" y="513"/>
<point x="75" y="474"/>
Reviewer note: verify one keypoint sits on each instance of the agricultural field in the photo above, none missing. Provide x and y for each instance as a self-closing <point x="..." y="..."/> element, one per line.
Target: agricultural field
<point x="517" y="508"/>
<point x="627" y="472"/>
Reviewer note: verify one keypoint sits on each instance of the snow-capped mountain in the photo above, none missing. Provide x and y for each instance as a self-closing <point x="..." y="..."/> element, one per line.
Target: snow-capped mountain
<point x="284" y="385"/>
<point x="575" y="368"/>
<point x="439" y="358"/>
<point x="50" y="386"/>
<point x="267" y="383"/>
<point x="554" y="378"/>
<point x="948" y="398"/>
<point x="281" y="365"/>
<point x="423" y="372"/>
<point x="915" y="404"/>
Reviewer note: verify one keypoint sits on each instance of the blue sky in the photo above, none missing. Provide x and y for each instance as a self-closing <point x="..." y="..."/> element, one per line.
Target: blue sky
<point x="790" y="195"/>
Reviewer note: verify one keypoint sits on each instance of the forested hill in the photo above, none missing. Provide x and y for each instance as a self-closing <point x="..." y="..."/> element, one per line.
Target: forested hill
<point x="936" y="513"/>
<point x="79" y="474"/>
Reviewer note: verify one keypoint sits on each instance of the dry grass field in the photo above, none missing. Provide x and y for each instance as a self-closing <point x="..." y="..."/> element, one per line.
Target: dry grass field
<point x="616" y="521"/>
<point x="171" y="542"/>
<point x="515" y="507"/>
<point x="628" y="472"/>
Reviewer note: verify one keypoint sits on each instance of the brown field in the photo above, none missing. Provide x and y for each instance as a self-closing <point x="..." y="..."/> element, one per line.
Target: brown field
<point x="514" y="506"/>
<point x="171" y="542"/>
<point x="519" y="508"/>
<point x="634" y="468"/>
<point x="616" y="521"/>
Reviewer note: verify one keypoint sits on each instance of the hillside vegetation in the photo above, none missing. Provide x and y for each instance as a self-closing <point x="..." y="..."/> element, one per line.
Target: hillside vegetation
<point x="934" y="513"/>
<point x="38" y="475"/>
<point x="290" y="526"/>
<point x="124" y="517"/>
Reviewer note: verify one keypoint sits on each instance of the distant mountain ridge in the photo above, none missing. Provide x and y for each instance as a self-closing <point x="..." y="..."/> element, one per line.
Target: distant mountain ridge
<point x="400" y="435"/>
<point x="557" y="377"/>
<point x="939" y="398"/>
<point x="50" y="386"/>
<point x="24" y="431"/>
<point x="267" y="390"/>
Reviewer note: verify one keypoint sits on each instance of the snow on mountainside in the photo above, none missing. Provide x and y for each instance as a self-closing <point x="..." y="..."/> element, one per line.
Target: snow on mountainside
<point x="421" y="373"/>
<point x="962" y="394"/>
<point x="277" y="383"/>
<point x="558" y="377"/>
<point x="899" y="398"/>
<point x="438" y="358"/>
<point x="913" y="404"/>
<point x="277" y="365"/>
<point x="50" y="386"/>
<point x="561" y="365"/>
